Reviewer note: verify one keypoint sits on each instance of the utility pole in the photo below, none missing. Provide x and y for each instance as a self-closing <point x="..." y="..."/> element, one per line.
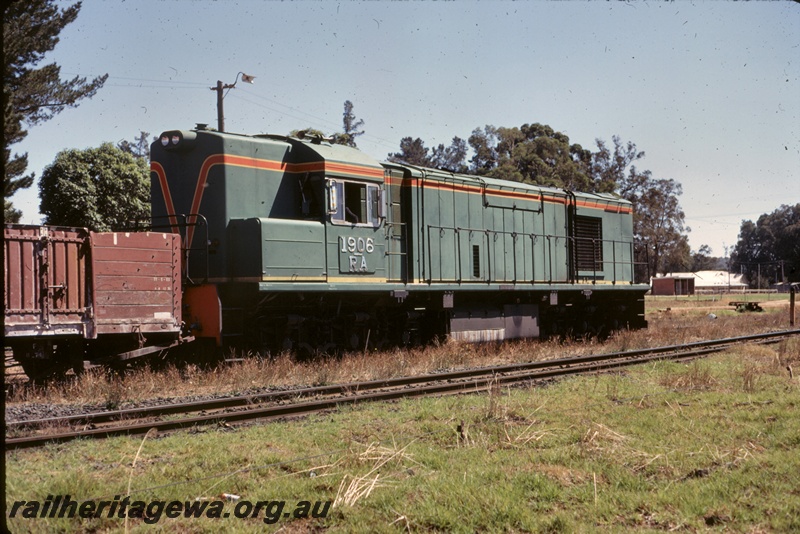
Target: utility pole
<point x="220" y="113"/>
<point x="219" y="88"/>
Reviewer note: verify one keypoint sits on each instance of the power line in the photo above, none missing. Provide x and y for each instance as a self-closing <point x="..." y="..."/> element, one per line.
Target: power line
<point x="374" y="138"/>
<point x="138" y="85"/>
<point x="296" y="113"/>
<point x="113" y="77"/>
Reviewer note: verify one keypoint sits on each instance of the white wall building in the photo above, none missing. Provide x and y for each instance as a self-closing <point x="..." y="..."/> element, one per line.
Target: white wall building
<point x="714" y="281"/>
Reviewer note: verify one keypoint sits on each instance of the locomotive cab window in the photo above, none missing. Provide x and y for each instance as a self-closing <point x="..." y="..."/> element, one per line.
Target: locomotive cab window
<point x="354" y="203"/>
<point x="311" y="197"/>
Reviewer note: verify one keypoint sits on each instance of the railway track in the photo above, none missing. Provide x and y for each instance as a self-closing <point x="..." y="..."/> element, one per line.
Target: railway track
<point x="305" y="401"/>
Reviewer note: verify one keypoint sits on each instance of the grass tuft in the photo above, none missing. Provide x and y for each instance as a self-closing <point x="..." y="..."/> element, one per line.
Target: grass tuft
<point x="697" y="377"/>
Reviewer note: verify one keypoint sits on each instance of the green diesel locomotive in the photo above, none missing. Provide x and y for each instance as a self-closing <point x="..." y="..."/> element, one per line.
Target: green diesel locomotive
<point x="299" y="244"/>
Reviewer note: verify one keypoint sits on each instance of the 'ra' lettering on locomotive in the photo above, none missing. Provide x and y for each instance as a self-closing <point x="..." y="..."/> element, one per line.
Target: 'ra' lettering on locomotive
<point x="296" y="243"/>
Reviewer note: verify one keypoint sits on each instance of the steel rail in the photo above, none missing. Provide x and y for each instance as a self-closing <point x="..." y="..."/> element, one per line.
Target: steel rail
<point x="482" y="379"/>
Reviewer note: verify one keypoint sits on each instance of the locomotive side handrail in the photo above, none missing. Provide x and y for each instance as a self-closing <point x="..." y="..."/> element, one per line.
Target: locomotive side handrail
<point x="403" y="244"/>
<point x="614" y="262"/>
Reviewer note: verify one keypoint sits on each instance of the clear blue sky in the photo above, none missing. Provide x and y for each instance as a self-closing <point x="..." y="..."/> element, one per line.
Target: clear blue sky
<point x="709" y="90"/>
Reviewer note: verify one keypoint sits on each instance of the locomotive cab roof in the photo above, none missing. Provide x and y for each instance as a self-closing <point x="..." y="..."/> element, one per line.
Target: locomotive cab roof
<point x="335" y="159"/>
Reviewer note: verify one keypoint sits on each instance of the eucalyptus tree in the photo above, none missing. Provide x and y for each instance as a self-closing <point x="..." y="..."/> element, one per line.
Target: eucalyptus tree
<point x="139" y="148"/>
<point x="531" y="153"/>
<point x="659" y="228"/>
<point x="770" y="247"/>
<point x="412" y="151"/>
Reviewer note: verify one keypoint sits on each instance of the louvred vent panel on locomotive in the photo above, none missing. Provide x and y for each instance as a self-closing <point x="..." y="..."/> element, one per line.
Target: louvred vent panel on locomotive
<point x="588" y="243"/>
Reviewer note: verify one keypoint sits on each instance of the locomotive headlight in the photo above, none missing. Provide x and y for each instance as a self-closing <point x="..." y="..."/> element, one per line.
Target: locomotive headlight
<point x="178" y="140"/>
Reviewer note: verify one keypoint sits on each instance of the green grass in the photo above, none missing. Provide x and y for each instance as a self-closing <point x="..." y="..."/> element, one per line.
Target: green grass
<point x="710" y="444"/>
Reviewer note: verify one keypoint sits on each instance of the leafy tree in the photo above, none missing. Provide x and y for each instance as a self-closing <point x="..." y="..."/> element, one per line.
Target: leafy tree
<point x="508" y="165"/>
<point x="702" y="260"/>
<point x="770" y="246"/>
<point x="350" y="125"/>
<point x="13" y="179"/>
<point x="99" y="188"/>
<point x="660" y="243"/>
<point x="532" y="153"/>
<point x="451" y="158"/>
<point x="484" y="153"/>
<point x="33" y="95"/>
<point x="679" y="257"/>
<point x="608" y="167"/>
<point x="140" y="148"/>
<point x="412" y="151"/>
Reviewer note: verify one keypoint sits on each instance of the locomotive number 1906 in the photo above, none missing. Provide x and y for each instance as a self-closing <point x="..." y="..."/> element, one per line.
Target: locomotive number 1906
<point x="357" y="248"/>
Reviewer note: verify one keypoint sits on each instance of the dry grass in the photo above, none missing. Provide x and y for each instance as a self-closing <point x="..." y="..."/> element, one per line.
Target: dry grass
<point x="354" y="488"/>
<point x="697" y="377"/>
<point x="287" y="371"/>
<point x="565" y="476"/>
<point x="282" y="371"/>
<point x="601" y="441"/>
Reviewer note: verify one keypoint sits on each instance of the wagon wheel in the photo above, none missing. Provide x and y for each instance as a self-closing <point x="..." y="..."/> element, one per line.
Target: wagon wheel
<point x="35" y="369"/>
<point x="70" y="355"/>
<point x="38" y="363"/>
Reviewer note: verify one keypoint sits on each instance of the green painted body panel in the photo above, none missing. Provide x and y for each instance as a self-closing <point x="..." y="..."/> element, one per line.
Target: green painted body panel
<point x="292" y="250"/>
<point x="277" y="250"/>
<point x="467" y="236"/>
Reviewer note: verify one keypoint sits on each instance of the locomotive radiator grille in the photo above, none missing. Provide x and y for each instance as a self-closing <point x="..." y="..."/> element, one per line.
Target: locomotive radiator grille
<point x="588" y="243"/>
